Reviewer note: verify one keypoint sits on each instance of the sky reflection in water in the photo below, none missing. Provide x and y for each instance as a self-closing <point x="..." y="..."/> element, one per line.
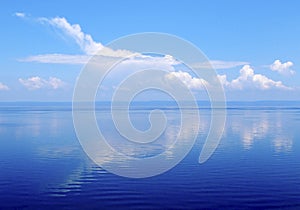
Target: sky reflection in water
<point x="256" y="163"/>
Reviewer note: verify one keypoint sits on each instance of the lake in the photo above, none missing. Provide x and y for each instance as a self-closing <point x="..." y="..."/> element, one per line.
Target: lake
<point x="256" y="165"/>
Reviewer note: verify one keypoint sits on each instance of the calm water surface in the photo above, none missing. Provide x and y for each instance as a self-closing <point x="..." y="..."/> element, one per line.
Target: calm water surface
<point x="257" y="164"/>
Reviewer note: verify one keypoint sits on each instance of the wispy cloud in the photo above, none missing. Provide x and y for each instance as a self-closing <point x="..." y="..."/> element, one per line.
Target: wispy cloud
<point x="83" y="59"/>
<point x="90" y="47"/>
<point x="34" y="83"/>
<point x="3" y="87"/>
<point x="218" y="64"/>
<point x="57" y="59"/>
<point x="83" y="40"/>
<point x="20" y="14"/>
<point x="282" y="68"/>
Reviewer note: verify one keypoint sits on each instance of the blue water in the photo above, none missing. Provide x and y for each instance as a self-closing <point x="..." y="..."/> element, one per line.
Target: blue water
<point x="42" y="164"/>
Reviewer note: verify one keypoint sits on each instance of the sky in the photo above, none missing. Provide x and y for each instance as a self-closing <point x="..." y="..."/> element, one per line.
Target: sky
<point x="253" y="45"/>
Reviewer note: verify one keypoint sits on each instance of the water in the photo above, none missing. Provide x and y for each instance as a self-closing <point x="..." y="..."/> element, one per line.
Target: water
<point x="42" y="164"/>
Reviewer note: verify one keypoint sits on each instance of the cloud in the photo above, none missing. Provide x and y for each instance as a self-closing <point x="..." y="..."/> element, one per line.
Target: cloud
<point x="249" y="80"/>
<point x="223" y="80"/>
<point x="246" y="80"/>
<point x="20" y="14"/>
<point x="141" y="60"/>
<point x="57" y="59"/>
<point x="282" y="68"/>
<point x="138" y="59"/>
<point x="145" y="61"/>
<point x="218" y="64"/>
<point x="91" y="47"/>
<point x="84" y="41"/>
<point x="188" y="80"/>
<point x="34" y="83"/>
<point x="3" y="87"/>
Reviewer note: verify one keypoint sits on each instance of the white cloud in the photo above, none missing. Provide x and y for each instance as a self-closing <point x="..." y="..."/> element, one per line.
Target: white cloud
<point x="3" y="87"/>
<point x="34" y="83"/>
<point x="90" y="47"/>
<point x="218" y="64"/>
<point x="145" y="61"/>
<point x="188" y="80"/>
<point x="20" y="14"/>
<point x="223" y="80"/>
<point x="282" y="68"/>
<point x="84" y="41"/>
<point x="57" y="59"/>
<point x="134" y="60"/>
<point x="140" y="60"/>
<point x="248" y="79"/>
<point x="55" y="83"/>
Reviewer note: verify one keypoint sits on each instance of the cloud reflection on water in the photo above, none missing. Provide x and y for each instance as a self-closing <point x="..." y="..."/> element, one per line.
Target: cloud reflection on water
<point x="57" y="142"/>
<point x="260" y="125"/>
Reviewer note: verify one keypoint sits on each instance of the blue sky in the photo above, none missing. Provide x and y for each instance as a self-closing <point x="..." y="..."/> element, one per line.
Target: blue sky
<point x="255" y="44"/>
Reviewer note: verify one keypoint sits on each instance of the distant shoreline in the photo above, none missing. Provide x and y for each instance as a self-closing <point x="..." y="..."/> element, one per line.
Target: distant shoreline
<point x="160" y="105"/>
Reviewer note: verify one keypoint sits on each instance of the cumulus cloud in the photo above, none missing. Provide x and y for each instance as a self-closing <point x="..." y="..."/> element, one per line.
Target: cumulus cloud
<point x="34" y="83"/>
<point x="282" y="68"/>
<point x="223" y="80"/>
<point x="248" y="79"/>
<point x="3" y="86"/>
<point x="188" y="80"/>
